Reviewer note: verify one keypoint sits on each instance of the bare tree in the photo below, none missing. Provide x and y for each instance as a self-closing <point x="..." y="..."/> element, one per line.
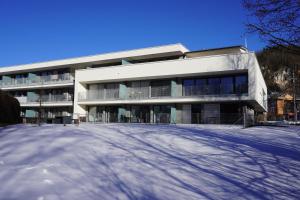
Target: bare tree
<point x="276" y="21"/>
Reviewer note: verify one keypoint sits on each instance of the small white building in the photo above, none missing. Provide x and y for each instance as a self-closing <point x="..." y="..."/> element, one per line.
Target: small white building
<point x="164" y="84"/>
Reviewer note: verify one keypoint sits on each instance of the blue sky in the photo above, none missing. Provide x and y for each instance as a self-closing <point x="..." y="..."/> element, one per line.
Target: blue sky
<point x="41" y="30"/>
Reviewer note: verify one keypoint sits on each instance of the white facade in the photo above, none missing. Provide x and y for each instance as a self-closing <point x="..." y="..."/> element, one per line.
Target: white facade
<point x="171" y="63"/>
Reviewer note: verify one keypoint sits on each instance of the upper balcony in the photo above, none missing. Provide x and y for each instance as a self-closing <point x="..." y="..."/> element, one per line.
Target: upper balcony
<point x="165" y="93"/>
<point x="46" y="100"/>
<point x="60" y="80"/>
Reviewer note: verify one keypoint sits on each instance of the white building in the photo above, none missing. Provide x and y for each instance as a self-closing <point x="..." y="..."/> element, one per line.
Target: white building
<point x="164" y="84"/>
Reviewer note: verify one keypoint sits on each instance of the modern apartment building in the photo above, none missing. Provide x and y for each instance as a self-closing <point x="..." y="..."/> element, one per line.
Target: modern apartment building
<point x="164" y="84"/>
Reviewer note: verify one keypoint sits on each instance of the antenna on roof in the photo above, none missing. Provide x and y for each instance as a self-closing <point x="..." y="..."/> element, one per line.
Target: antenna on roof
<point x="246" y="44"/>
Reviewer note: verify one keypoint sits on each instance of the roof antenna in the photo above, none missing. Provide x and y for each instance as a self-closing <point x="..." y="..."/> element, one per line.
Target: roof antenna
<point x="246" y="44"/>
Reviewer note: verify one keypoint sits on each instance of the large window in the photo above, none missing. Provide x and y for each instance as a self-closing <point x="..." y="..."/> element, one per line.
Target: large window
<point x="103" y="91"/>
<point x="241" y="84"/>
<point x="222" y="85"/>
<point x="139" y="90"/>
<point x="160" y="88"/>
<point x="188" y="87"/>
<point x="213" y="85"/>
<point x="112" y="91"/>
<point x="194" y="87"/>
<point x="200" y="86"/>
<point x="227" y="86"/>
<point x="162" y="113"/>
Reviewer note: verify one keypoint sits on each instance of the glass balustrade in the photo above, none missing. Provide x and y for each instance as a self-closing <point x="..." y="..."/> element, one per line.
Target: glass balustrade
<point x="165" y="92"/>
<point x="39" y="80"/>
<point x="46" y="99"/>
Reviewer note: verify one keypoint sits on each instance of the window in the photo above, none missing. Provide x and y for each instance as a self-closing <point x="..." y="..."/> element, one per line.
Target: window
<point x="139" y="89"/>
<point x="112" y="91"/>
<point x="188" y="87"/>
<point x="200" y="88"/>
<point x="160" y="88"/>
<point x="241" y="84"/>
<point x="214" y="86"/>
<point x="227" y="85"/>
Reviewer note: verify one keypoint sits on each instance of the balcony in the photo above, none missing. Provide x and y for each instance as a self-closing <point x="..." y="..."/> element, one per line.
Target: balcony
<point x="222" y="90"/>
<point x="132" y="94"/>
<point x="63" y="99"/>
<point x="39" y="81"/>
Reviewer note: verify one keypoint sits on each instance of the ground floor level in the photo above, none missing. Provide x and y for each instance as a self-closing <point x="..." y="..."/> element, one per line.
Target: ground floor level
<point x="56" y="115"/>
<point x="205" y="113"/>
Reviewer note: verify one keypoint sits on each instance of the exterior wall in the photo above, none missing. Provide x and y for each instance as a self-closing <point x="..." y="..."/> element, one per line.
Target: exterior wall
<point x="260" y="86"/>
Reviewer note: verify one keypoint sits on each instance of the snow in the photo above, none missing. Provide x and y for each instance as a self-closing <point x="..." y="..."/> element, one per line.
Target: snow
<point x="135" y="161"/>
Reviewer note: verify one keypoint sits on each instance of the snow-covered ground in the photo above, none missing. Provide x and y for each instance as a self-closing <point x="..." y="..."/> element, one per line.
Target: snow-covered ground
<point x="148" y="162"/>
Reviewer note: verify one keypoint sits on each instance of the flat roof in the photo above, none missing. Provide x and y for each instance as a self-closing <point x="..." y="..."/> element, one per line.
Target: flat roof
<point x="221" y="48"/>
<point x="165" y="50"/>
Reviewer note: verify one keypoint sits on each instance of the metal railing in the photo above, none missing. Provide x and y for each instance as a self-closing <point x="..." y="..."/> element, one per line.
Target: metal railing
<point x="57" y="98"/>
<point x="132" y="93"/>
<point x="46" y="99"/>
<point x="139" y="93"/>
<point x="99" y="95"/>
<point x="40" y="80"/>
<point x="163" y="91"/>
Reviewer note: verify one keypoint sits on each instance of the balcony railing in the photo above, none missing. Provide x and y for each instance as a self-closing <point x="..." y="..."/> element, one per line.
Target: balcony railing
<point x="41" y="80"/>
<point x="56" y="98"/>
<point x="99" y="95"/>
<point x="132" y="93"/>
<point x="164" y="92"/>
<point x="46" y="99"/>
<point x="139" y="93"/>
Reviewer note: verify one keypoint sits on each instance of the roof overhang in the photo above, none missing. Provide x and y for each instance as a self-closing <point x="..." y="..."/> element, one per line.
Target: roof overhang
<point x="145" y="53"/>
